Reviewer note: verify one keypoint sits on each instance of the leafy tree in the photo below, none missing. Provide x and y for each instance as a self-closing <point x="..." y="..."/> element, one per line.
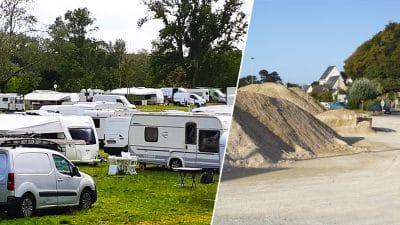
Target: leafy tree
<point x="273" y="77"/>
<point x="360" y="91"/>
<point x="378" y="59"/>
<point x="193" y="28"/>
<point x="250" y="79"/>
<point x="14" y="15"/>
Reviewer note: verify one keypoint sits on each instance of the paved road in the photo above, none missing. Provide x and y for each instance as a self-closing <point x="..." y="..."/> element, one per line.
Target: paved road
<point x="361" y="188"/>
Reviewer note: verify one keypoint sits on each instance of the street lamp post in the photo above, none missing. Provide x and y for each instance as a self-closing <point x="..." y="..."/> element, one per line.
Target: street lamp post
<point x="252" y="68"/>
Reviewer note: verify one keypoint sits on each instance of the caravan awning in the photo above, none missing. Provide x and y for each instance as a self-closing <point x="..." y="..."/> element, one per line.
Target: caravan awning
<point x="23" y="124"/>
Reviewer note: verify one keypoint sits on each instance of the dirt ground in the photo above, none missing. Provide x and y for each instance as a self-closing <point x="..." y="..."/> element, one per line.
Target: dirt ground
<point x="359" y="187"/>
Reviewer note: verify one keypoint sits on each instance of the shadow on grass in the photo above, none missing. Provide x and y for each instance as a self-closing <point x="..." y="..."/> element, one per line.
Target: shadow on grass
<point x="64" y="211"/>
<point x="238" y="173"/>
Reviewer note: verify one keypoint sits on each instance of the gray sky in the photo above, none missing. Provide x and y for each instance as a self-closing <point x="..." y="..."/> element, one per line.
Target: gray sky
<point x="115" y="19"/>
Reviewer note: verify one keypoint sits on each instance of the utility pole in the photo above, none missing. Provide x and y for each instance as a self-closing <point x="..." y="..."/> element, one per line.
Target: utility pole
<point x="252" y="68"/>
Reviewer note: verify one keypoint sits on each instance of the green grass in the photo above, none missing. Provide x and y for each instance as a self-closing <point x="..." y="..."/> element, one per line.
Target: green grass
<point x="150" y="197"/>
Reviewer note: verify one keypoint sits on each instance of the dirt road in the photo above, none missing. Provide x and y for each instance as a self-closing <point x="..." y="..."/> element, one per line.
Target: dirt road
<point x="361" y="187"/>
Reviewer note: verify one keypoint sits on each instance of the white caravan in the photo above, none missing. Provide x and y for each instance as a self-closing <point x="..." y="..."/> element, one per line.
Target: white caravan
<point x="169" y="92"/>
<point x="11" y="102"/>
<point x="76" y="134"/>
<point x="99" y="111"/>
<point x="113" y="98"/>
<point x="141" y="95"/>
<point x="202" y="92"/>
<point x="177" y="139"/>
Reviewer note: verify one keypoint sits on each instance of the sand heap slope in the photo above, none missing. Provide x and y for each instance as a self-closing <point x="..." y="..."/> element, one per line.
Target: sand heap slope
<point x="294" y="95"/>
<point x="346" y="121"/>
<point x="266" y="130"/>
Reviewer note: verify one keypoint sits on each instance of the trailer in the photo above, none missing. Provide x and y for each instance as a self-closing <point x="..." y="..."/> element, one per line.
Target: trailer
<point x="76" y="133"/>
<point x="140" y="95"/>
<point x="177" y="139"/>
<point x="11" y="102"/>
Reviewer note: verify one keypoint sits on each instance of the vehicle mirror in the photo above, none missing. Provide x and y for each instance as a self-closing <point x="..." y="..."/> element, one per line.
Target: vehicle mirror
<point x="75" y="172"/>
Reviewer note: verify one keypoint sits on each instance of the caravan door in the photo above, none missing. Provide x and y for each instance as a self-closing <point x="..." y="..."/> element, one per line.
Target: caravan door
<point x="208" y="151"/>
<point x="190" y="144"/>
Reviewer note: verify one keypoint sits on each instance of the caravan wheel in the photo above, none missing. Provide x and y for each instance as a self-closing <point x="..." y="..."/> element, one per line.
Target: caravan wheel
<point x="175" y="163"/>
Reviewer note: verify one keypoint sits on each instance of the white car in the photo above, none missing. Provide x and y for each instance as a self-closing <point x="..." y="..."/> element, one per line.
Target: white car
<point x="36" y="178"/>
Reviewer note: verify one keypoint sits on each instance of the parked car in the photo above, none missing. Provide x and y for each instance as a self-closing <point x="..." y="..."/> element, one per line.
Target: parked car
<point x="337" y="105"/>
<point x="34" y="178"/>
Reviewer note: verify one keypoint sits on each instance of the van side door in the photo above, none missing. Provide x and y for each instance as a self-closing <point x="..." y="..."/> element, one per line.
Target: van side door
<point x="190" y="144"/>
<point x="67" y="185"/>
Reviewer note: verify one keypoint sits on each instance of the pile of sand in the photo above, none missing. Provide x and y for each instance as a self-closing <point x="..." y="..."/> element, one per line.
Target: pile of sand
<point x="294" y="95"/>
<point x="266" y="130"/>
<point x="346" y="121"/>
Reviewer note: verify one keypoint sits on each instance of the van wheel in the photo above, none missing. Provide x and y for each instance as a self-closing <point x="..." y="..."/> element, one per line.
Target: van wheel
<point x="86" y="200"/>
<point x="25" y="207"/>
<point x="175" y="163"/>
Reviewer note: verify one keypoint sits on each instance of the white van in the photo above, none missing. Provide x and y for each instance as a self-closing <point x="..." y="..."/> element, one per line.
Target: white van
<point x="185" y="98"/>
<point x="38" y="178"/>
<point x="76" y="133"/>
<point x="113" y="98"/>
<point x="177" y="139"/>
<point x="202" y="92"/>
<point x="116" y="134"/>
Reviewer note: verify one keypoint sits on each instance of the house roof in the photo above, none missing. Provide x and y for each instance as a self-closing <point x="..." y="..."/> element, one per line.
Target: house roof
<point x="327" y="72"/>
<point x="331" y="81"/>
<point x="344" y="75"/>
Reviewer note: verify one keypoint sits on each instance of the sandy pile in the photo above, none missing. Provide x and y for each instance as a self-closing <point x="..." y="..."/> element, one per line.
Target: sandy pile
<point x="294" y="95"/>
<point x="346" y="121"/>
<point x="266" y="130"/>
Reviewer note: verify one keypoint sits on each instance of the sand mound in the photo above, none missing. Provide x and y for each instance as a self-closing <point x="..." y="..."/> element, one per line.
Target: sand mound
<point x="294" y="95"/>
<point x="266" y="130"/>
<point x="346" y="121"/>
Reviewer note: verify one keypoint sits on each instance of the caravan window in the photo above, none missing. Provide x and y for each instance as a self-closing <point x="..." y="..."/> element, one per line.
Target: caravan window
<point x="84" y="134"/>
<point x="209" y="141"/>
<point x="151" y="134"/>
<point x="190" y="131"/>
<point x="5" y="99"/>
<point x="50" y="135"/>
<point x="96" y="123"/>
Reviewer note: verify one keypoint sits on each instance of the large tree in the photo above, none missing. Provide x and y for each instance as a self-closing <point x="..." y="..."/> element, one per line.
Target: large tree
<point x="273" y="77"/>
<point x="378" y="59"/>
<point x="193" y="28"/>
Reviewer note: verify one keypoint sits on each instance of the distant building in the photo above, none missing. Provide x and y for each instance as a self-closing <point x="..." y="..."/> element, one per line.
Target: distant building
<point x="331" y="80"/>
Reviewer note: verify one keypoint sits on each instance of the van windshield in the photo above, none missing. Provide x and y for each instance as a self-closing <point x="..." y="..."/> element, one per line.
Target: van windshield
<point x="84" y="134"/>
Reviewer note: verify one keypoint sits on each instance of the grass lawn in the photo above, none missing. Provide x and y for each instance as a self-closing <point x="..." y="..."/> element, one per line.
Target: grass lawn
<point x="150" y="197"/>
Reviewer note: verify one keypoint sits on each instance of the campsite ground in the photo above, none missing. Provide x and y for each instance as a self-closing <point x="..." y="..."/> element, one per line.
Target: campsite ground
<point x="360" y="187"/>
<point x="150" y="197"/>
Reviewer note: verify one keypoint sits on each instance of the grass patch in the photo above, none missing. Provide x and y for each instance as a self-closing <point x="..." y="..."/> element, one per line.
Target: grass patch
<point x="150" y="197"/>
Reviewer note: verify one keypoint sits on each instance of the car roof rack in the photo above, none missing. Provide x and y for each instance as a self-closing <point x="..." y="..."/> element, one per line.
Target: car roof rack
<point x="31" y="143"/>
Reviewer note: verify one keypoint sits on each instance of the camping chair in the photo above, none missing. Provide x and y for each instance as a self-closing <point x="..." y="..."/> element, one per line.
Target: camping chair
<point x="128" y="163"/>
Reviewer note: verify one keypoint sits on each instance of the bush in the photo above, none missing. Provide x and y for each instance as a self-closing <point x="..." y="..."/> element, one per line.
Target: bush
<point x="361" y="90"/>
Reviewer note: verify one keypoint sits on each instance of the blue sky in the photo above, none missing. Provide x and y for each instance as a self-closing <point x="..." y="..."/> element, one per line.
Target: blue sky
<point x="300" y="38"/>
